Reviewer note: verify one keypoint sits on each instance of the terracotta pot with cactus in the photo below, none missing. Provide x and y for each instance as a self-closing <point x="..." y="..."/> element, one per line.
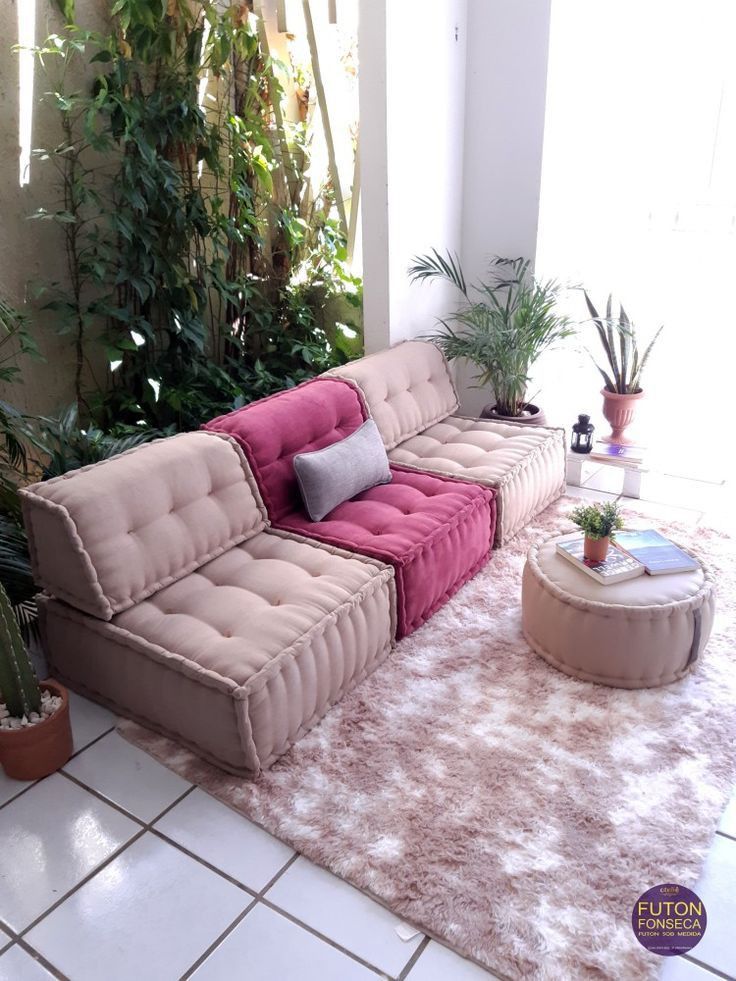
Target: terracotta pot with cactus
<point x="624" y="366"/>
<point x="599" y="523"/>
<point x="35" y="729"/>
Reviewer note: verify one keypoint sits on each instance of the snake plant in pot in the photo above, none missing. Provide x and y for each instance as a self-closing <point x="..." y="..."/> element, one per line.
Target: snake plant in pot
<point x="35" y="730"/>
<point x="623" y="370"/>
<point x="501" y="327"/>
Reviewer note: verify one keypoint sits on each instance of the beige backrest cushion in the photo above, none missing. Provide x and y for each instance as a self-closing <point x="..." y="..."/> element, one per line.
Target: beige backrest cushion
<point x="107" y="536"/>
<point x="406" y="388"/>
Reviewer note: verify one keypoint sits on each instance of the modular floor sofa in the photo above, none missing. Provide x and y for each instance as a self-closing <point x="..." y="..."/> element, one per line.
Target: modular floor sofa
<point x="409" y="392"/>
<point x="186" y="587"/>
<point x="168" y="597"/>
<point x="436" y="532"/>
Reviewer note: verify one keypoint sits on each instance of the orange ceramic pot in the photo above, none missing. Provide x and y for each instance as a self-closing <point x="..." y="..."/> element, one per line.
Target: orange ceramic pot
<point x="596" y="549"/>
<point x="619" y="411"/>
<point x="37" y="751"/>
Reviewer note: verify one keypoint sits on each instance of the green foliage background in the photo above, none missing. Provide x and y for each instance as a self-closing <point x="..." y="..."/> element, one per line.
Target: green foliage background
<point x="198" y="253"/>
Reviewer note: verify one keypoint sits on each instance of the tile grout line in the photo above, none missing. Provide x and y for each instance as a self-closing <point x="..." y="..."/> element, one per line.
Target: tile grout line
<point x="260" y="897"/>
<point x="264" y="901"/>
<point x="35" y="783"/>
<point x="716" y="972"/>
<point x="238" y="919"/>
<point x="142" y="828"/>
<point x="408" y="967"/>
<point x="39" y="958"/>
<point x="149" y="827"/>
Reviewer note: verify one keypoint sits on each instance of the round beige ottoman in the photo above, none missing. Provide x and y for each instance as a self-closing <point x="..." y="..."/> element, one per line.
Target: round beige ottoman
<point x="640" y="633"/>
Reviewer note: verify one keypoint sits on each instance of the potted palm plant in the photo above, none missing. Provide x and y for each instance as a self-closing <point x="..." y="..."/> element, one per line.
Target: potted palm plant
<point x="501" y="327"/>
<point x="624" y="365"/>
<point x="35" y="729"/>
<point x="599" y="523"/>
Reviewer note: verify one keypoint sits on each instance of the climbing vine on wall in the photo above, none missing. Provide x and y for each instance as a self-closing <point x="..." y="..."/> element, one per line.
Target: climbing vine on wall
<point x="197" y="252"/>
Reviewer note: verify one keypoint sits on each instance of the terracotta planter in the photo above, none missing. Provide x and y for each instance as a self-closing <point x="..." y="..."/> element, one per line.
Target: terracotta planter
<point x="37" y="751"/>
<point x="534" y="415"/>
<point x="619" y="411"/>
<point x="596" y="549"/>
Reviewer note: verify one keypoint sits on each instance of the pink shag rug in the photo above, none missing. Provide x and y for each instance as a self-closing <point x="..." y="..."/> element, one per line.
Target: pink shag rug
<point x="506" y="809"/>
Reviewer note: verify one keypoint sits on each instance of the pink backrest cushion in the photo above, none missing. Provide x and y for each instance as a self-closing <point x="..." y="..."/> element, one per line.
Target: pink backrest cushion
<point x="107" y="536"/>
<point x="273" y="430"/>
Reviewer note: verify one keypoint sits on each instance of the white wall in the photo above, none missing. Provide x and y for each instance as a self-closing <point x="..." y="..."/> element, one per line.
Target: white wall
<point x="452" y="124"/>
<point x="426" y="115"/>
<point x="412" y="77"/>
<point x="374" y="173"/>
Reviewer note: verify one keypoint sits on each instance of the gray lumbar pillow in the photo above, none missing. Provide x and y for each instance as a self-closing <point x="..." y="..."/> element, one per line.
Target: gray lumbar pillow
<point x="338" y="472"/>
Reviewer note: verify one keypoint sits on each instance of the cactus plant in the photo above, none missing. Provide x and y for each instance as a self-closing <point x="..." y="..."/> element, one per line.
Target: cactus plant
<point x="19" y="687"/>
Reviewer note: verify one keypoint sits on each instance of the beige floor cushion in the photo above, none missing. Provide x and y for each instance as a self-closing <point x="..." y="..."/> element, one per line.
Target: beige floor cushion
<point x="409" y="392"/>
<point x="524" y="463"/>
<point x="241" y="657"/>
<point x="639" y="633"/>
<point x="168" y="598"/>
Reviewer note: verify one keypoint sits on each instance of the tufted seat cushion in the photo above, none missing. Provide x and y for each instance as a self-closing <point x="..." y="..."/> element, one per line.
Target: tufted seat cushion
<point x="108" y="535"/>
<point x="409" y="393"/>
<point x="525" y="464"/>
<point x="240" y="657"/>
<point x="435" y="532"/>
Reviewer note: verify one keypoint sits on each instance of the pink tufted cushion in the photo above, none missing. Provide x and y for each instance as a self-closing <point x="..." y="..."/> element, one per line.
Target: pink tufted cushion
<point x="407" y="387"/>
<point x="273" y="430"/>
<point x="107" y="536"/>
<point x="435" y="532"/>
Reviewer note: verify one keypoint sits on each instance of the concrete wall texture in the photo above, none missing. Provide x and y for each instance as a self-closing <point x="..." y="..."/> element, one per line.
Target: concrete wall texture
<point x="32" y="252"/>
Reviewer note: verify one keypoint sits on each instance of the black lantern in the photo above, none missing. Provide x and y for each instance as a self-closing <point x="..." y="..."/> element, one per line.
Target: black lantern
<point x="582" y="435"/>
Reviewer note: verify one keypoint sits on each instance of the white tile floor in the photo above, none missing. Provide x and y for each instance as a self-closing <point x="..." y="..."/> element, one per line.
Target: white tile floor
<point x="116" y="868"/>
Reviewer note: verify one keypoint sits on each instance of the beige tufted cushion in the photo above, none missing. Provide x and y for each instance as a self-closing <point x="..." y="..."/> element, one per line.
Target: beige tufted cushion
<point x="105" y="537"/>
<point x="406" y="388"/>
<point x="634" y="634"/>
<point x="236" y="614"/>
<point x="526" y="464"/>
<point x="241" y="657"/>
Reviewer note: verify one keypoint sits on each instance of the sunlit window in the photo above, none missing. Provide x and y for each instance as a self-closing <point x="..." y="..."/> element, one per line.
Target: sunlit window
<point x="26" y="40"/>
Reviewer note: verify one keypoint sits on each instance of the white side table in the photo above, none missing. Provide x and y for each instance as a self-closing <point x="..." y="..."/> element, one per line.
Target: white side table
<point x="632" y="471"/>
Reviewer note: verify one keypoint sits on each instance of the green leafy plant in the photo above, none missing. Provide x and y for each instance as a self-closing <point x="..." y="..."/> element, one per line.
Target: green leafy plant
<point x="19" y="686"/>
<point x="598" y="520"/>
<point x="503" y="325"/>
<point x="624" y="363"/>
<point x="63" y="444"/>
<point x="15" y="341"/>
<point x="197" y="252"/>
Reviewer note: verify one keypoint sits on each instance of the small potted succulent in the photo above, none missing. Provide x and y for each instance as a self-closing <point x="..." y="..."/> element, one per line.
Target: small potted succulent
<point x="35" y="729"/>
<point x="624" y="365"/>
<point x="599" y="523"/>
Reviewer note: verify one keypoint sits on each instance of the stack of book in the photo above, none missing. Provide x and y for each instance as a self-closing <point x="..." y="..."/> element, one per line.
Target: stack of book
<point x="634" y="554"/>
<point x="617" y="453"/>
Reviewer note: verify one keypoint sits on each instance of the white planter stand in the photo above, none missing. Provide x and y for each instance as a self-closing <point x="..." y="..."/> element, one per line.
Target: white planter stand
<point x="632" y="472"/>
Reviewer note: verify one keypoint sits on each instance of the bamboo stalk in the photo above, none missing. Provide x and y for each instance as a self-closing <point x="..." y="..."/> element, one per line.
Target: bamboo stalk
<point x="322" y="100"/>
<point x="281" y="17"/>
<point x="287" y="165"/>
<point x="332" y="11"/>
